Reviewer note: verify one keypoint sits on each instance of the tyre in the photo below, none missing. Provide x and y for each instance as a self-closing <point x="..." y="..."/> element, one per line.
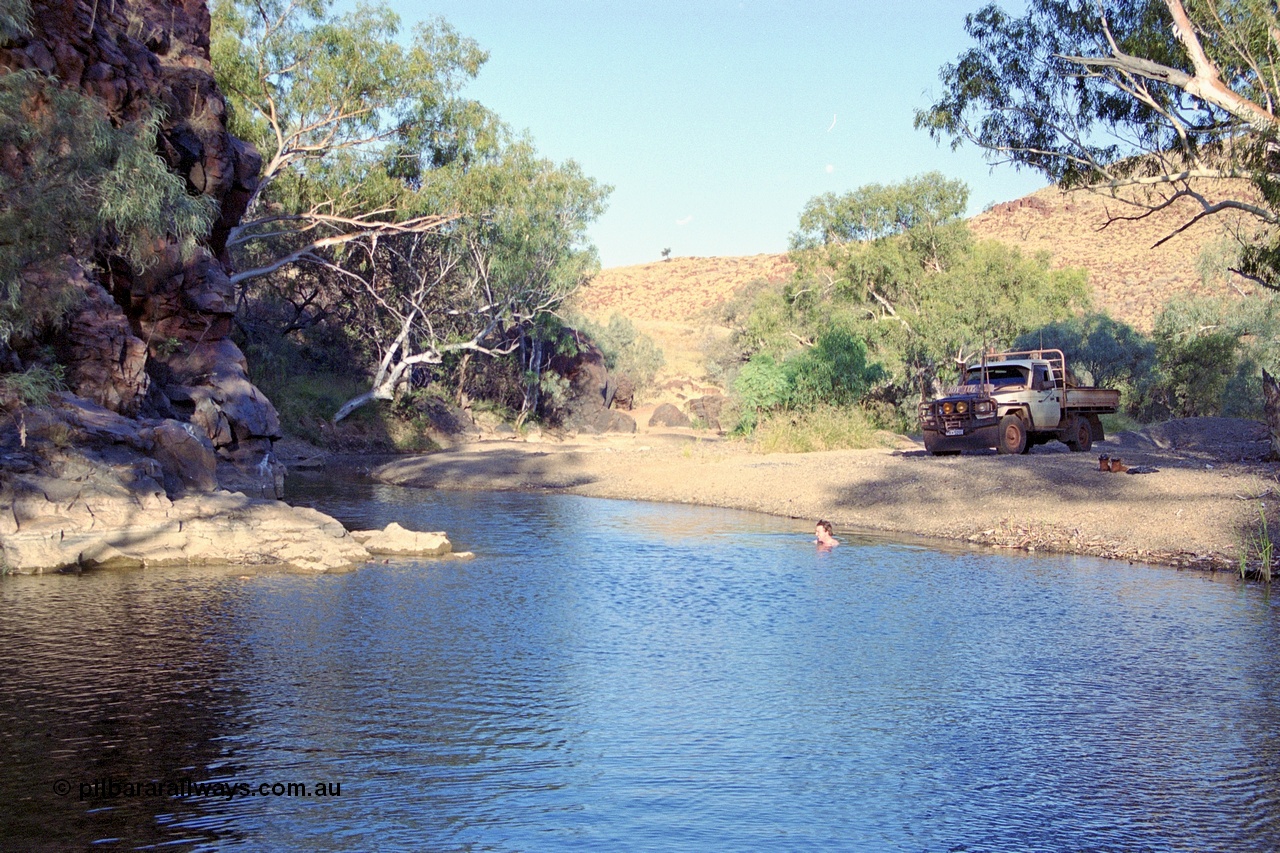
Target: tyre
<point x="1080" y="435"/>
<point x="1096" y="423"/>
<point x="1013" y="435"/>
<point x="934" y="445"/>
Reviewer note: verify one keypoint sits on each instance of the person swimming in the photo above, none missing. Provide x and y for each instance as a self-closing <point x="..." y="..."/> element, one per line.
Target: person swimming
<point x="825" y="539"/>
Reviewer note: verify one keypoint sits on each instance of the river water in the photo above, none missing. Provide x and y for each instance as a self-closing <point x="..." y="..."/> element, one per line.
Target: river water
<point x="614" y="675"/>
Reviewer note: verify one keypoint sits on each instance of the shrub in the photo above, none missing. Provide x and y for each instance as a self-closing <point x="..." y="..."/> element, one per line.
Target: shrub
<point x="834" y="370"/>
<point x="31" y="387"/>
<point x="72" y="178"/>
<point x="627" y="351"/>
<point x="1193" y="374"/>
<point x="762" y="386"/>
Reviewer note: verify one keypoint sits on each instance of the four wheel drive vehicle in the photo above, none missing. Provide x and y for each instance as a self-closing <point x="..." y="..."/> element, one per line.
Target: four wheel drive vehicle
<point x="1014" y="400"/>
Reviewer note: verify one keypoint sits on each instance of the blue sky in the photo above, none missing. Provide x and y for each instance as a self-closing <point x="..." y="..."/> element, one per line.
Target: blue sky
<point x="716" y="120"/>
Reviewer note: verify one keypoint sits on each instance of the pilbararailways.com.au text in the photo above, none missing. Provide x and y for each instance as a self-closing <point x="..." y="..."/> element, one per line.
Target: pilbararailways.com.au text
<point x="109" y="788"/>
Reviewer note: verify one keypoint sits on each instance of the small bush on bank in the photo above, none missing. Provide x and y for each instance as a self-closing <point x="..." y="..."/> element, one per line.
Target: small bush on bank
<point x="627" y="351"/>
<point x="833" y="372"/>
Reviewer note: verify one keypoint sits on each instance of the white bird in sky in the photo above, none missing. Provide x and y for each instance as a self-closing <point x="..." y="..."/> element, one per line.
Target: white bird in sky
<point x="833" y="122"/>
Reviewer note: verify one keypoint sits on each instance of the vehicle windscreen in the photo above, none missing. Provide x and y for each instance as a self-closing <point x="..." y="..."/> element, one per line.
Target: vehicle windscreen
<point x="1001" y="376"/>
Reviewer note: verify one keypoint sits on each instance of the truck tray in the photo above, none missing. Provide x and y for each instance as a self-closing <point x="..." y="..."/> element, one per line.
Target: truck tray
<point x="1102" y="401"/>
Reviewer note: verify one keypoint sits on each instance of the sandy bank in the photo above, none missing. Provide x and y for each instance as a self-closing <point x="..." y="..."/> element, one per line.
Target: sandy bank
<point x="1191" y="512"/>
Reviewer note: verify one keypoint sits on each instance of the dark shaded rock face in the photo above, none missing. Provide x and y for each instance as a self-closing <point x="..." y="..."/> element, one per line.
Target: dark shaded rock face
<point x="707" y="409"/>
<point x="154" y="342"/>
<point x="592" y="392"/>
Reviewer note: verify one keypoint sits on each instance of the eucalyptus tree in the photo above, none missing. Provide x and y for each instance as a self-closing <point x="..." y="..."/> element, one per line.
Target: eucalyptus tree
<point x="388" y="203"/>
<point x="481" y="283"/>
<point x="1149" y="101"/>
<point x="347" y="120"/>
<point x="897" y="266"/>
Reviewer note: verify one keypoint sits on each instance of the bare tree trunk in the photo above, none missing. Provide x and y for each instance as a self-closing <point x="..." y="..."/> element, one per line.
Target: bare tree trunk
<point x="1271" y="405"/>
<point x="355" y="403"/>
<point x="460" y="396"/>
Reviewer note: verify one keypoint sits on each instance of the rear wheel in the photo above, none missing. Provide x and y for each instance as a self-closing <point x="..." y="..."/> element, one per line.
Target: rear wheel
<point x="1096" y="423"/>
<point x="1080" y="435"/>
<point x="1013" y="435"/>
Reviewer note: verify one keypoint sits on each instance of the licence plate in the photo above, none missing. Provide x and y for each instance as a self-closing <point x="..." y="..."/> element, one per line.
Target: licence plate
<point x="955" y="432"/>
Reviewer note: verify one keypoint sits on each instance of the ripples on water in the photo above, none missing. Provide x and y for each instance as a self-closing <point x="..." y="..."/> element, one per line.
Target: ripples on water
<point x="634" y="676"/>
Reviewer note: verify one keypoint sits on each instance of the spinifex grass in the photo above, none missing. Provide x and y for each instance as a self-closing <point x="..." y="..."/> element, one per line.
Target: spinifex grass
<point x="823" y="428"/>
<point x="1257" y="548"/>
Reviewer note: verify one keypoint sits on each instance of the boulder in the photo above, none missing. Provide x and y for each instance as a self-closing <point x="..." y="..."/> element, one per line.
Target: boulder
<point x="106" y="361"/>
<point x="624" y="395"/>
<point x="601" y="420"/>
<point x="396" y="541"/>
<point x="252" y="467"/>
<point x="667" y="415"/>
<point x="591" y="391"/>
<point x="100" y="531"/>
<point x="187" y="457"/>
<point x="707" y="409"/>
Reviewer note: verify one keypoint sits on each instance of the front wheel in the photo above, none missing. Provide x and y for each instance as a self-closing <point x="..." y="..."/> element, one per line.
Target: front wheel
<point x="936" y="446"/>
<point x="1013" y="436"/>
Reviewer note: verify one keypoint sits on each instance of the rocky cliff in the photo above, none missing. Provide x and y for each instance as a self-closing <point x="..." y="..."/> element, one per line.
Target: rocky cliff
<point x="162" y="449"/>
<point x="154" y="343"/>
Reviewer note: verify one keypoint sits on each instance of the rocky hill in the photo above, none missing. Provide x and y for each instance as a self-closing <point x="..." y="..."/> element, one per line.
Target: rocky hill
<point x="1130" y="276"/>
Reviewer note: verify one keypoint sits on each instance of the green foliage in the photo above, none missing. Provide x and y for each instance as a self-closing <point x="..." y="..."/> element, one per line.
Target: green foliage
<point x="1105" y="95"/>
<point x="917" y="205"/>
<point x="32" y="387"/>
<point x="833" y="372"/>
<point x="1204" y="357"/>
<point x="71" y="178"/>
<point x="1194" y="370"/>
<point x="306" y="87"/>
<point x="1210" y="356"/>
<point x="15" y="19"/>
<point x="909" y="299"/>
<point x="762" y="386"/>
<point x="990" y="296"/>
<point x="1257" y="549"/>
<point x="626" y="350"/>
<point x="410" y="219"/>
<point x="1100" y="350"/>
<point x="1016" y="93"/>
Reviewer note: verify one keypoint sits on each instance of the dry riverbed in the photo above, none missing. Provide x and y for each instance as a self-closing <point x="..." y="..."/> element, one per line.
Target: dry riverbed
<point x="1192" y="511"/>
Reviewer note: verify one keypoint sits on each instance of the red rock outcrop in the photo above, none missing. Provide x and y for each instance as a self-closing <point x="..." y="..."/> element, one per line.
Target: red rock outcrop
<point x="155" y="341"/>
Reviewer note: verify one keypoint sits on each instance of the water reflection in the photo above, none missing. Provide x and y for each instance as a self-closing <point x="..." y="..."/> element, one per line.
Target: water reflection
<point x="608" y="674"/>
